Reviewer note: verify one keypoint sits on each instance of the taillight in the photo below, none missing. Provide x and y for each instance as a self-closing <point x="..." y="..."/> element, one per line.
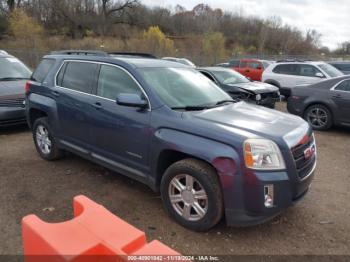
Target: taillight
<point x="27" y="87"/>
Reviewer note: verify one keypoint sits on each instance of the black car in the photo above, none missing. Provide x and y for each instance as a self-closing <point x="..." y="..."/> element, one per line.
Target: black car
<point x="13" y="76"/>
<point x="240" y="87"/>
<point x="323" y="104"/>
<point x="343" y="66"/>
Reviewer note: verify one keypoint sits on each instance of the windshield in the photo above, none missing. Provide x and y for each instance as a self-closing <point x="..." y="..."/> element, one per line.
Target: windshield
<point x="229" y="77"/>
<point x="266" y="64"/>
<point x="11" y="67"/>
<point x="183" y="87"/>
<point x="330" y="70"/>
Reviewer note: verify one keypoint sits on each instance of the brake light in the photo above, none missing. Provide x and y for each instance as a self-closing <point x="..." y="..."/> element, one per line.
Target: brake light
<point x="27" y="87"/>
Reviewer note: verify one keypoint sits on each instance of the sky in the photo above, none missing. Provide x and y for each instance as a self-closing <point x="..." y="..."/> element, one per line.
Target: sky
<point x="331" y="18"/>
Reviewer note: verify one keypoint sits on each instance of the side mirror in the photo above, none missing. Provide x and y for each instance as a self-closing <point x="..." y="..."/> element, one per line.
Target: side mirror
<point x="131" y="100"/>
<point x="320" y="75"/>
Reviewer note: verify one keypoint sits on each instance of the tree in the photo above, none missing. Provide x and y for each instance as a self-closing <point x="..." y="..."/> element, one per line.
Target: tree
<point x="156" y="42"/>
<point x="113" y="12"/>
<point x="23" y="26"/>
<point x="214" y="46"/>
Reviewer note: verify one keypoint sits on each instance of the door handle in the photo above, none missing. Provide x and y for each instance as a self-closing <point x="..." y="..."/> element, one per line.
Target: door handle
<point x="55" y="93"/>
<point x="247" y="71"/>
<point x="97" y="105"/>
<point x="337" y="96"/>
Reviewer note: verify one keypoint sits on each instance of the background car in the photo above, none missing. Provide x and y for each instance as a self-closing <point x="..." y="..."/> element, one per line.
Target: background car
<point x="223" y="65"/>
<point x="323" y="104"/>
<point x="183" y="61"/>
<point x="343" y="66"/>
<point x="251" y="68"/>
<point x="13" y="76"/>
<point x="239" y="87"/>
<point x="288" y="74"/>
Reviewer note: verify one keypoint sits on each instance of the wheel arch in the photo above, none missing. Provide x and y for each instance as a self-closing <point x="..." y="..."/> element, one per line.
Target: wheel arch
<point x="273" y="82"/>
<point x="177" y="145"/>
<point x="313" y="103"/>
<point x="34" y="114"/>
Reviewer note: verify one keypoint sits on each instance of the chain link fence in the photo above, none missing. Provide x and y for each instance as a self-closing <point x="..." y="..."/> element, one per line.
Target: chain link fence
<point x="32" y="57"/>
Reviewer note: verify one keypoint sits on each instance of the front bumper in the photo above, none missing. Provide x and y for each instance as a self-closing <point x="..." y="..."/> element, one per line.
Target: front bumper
<point x="246" y="206"/>
<point x="268" y="101"/>
<point x="12" y="116"/>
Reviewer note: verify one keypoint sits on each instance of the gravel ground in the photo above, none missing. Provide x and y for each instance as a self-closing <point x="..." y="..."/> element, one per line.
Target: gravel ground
<point x="319" y="224"/>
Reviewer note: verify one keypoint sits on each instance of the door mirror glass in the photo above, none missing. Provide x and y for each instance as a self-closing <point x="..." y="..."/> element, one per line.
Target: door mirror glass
<point x="320" y="75"/>
<point x="131" y="100"/>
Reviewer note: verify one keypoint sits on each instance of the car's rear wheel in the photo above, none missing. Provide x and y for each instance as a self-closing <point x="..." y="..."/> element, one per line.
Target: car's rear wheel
<point x="319" y="117"/>
<point x="192" y="195"/>
<point x="44" y="141"/>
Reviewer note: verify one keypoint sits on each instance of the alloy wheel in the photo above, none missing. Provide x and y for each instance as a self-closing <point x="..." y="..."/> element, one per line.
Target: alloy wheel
<point x="43" y="140"/>
<point x="188" y="197"/>
<point x="317" y="117"/>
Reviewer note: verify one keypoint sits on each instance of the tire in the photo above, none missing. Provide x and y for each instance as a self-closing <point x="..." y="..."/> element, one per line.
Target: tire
<point x="200" y="211"/>
<point x="322" y="120"/>
<point x="44" y="141"/>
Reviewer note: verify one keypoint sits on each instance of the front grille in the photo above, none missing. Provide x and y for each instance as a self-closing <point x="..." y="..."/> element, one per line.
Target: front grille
<point x="13" y="102"/>
<point x="270" y="95"/>
<point x="304" y="165"/>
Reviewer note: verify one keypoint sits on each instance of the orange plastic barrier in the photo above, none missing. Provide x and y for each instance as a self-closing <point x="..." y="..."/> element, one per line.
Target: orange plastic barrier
<point x="94" y="234"/>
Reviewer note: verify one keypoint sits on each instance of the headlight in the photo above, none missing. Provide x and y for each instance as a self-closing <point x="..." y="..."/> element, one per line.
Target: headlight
<point x="258" y="97"/>
<point x="262" y="154"/>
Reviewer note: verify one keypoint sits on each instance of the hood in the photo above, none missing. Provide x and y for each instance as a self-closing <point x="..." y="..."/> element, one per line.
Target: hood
<point x="258" y="120"/>
<point x="10" y="88"/>
<point x="256" y="87"/>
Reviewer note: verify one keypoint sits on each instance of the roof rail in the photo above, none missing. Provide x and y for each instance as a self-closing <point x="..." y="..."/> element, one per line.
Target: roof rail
<point x="80" y="52"/>
<point x="293" y="60"/>
<point x="146" y="55"/>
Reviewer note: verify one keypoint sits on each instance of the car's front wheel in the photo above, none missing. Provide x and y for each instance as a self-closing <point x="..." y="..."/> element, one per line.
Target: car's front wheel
<point x="44" y="141"/>
<point x="192" y="195"/>
<point x="319" y="117"/>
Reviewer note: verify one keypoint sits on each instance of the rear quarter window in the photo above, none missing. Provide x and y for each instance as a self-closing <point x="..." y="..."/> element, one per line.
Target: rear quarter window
<point x="42" y="70"/>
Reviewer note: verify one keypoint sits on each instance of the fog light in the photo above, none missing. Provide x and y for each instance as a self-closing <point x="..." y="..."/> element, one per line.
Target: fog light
<point x="258" y="97"/>
<point x="268" y="196"/>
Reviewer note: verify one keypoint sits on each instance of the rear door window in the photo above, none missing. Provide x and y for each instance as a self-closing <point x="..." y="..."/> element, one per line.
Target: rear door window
<point x="42" y="70"/>
<point x="255" y="65"/>
<point x="78" y="76"/>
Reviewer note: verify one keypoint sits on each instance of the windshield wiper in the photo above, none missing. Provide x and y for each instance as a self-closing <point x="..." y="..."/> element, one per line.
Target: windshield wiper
<point x="13" y="78"/>
<point x="225" y="101"/>
<point x="191" y="108"/>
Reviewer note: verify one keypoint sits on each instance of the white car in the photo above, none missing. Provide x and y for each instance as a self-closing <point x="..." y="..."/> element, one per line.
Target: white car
<point x="286" y="75"/>
<point x="183" y="61"/>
